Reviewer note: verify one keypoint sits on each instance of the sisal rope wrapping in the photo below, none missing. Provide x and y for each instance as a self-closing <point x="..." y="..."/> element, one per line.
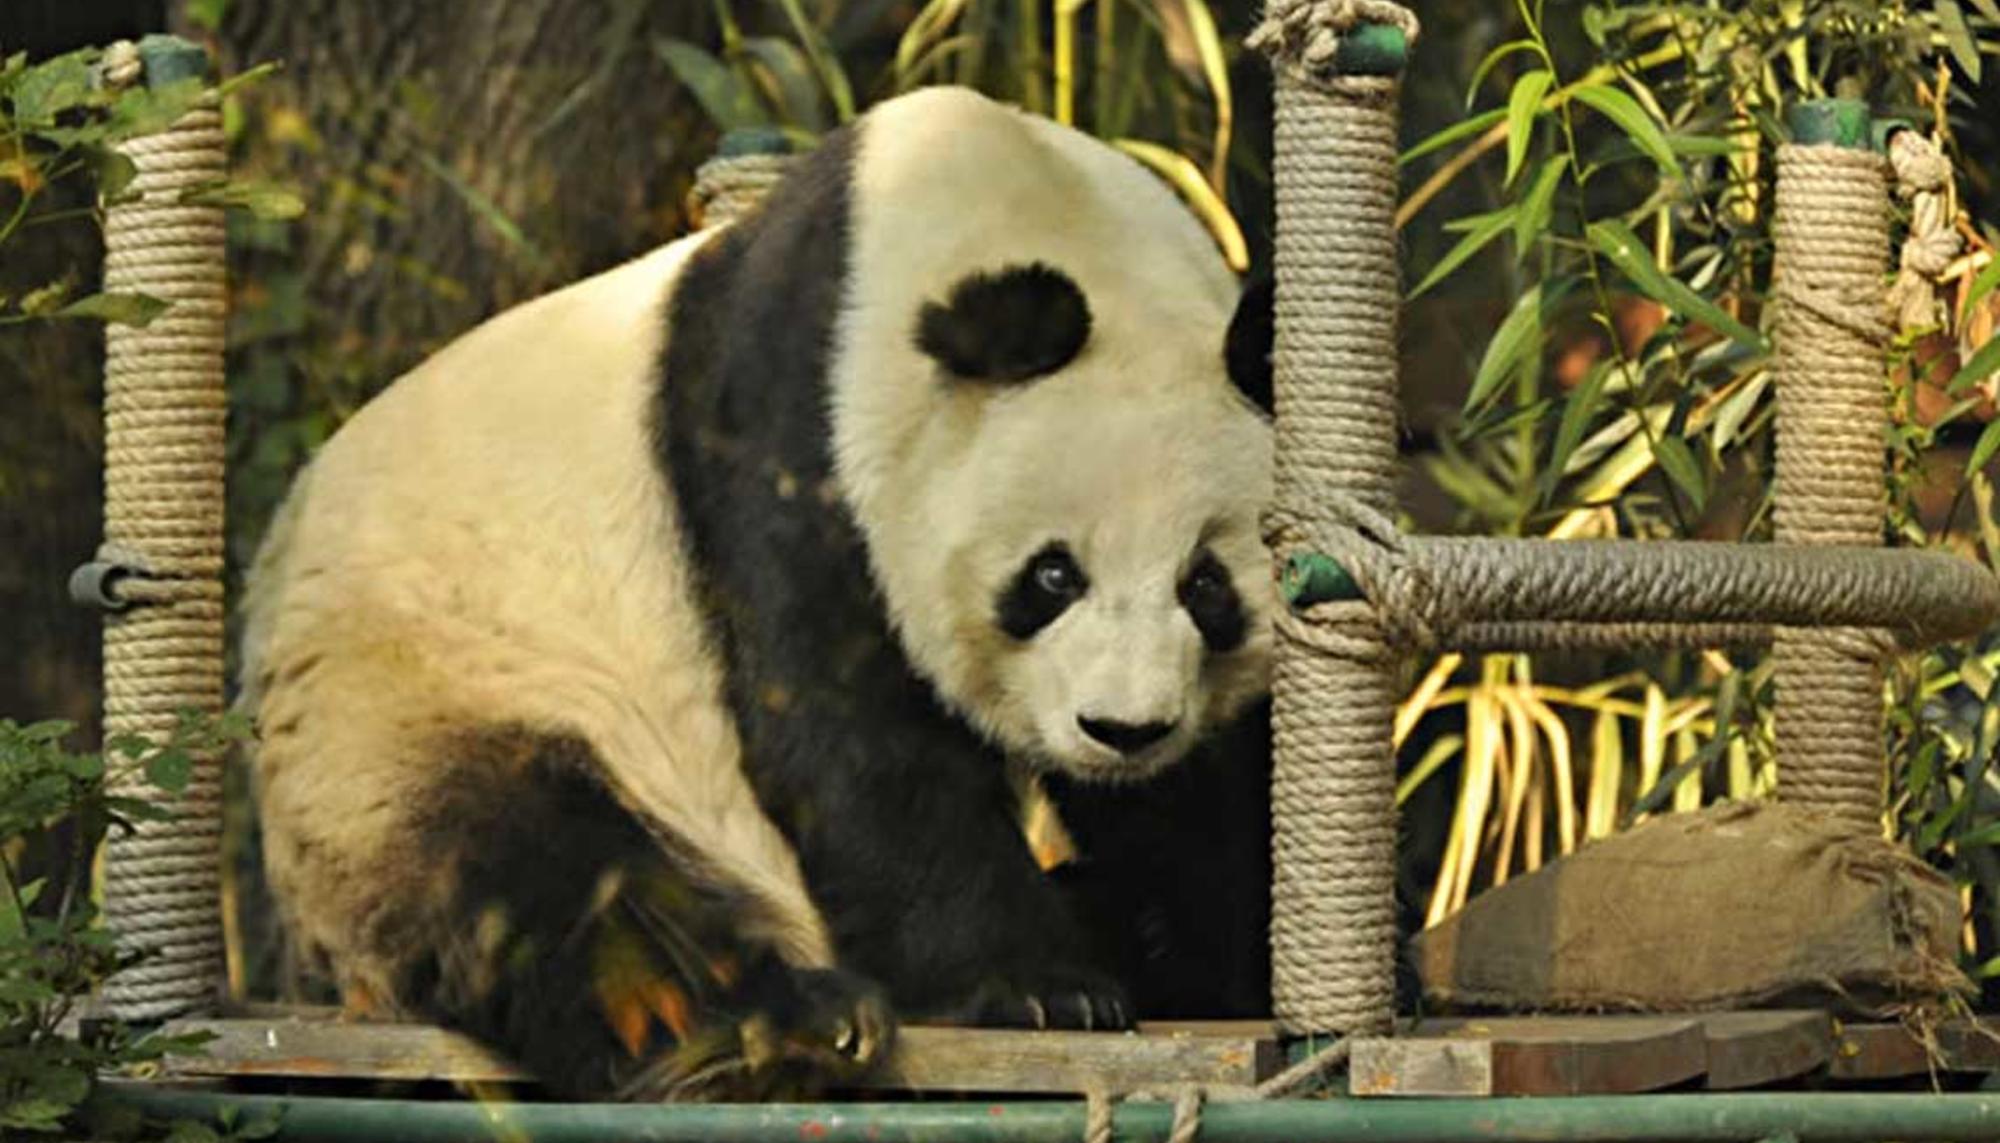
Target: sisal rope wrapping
<point x="726" y="188"/>
<point x="1832" y="235"/>
<point x="165" y="408"/>
<point x="1333" y="922"/>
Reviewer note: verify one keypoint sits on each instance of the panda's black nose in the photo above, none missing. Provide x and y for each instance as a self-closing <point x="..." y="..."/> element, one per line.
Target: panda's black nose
<point x="1124" y="737"/>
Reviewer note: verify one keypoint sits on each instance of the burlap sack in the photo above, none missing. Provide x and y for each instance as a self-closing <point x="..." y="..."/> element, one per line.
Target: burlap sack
<point x="1735" y="906"/>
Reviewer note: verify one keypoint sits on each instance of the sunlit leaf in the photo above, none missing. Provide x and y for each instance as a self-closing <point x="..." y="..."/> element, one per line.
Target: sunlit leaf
<point x="122" y="309"/>
<point x="1523" y="106"/>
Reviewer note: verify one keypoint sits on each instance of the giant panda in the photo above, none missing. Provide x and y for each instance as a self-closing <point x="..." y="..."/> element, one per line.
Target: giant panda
<point x="647" y="683"/>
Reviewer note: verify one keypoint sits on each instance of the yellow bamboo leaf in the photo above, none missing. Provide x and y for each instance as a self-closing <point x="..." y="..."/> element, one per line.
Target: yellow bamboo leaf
<point x="1739" y="770"/>
<point x="1607" y="769"/>
<point x="1215" y="69"/>
<point x="1207" y="205"/>
<point x="1560" y="770"/>
<point x="1652" y="738"/>
<point x="1520" y="776"/>
<point x="1533" y="828"/>
<point x="1420" y="700"/>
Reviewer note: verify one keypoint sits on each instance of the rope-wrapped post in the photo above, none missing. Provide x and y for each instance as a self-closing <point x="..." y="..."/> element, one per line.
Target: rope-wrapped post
<point x="164" y="410"/>
<point x="748" y="162"/>
<point x="1832" y="234"/>
<point x="1333" y="924"/>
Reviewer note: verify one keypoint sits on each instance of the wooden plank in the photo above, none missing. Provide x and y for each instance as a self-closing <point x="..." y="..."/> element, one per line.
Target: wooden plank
<point x="1873" y="1051"/>
<point x="1750" y="1049"/>
<point x="1530" y="1055"/>
<point x="1228" y="1060"/>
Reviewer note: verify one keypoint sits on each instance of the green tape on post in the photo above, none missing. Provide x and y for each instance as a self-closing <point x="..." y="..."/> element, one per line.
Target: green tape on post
<point x="1314" y="577"/>
<point x="1372" y="49"/>
<point x="170" y="58"/>
<point x="1840" y="122"/>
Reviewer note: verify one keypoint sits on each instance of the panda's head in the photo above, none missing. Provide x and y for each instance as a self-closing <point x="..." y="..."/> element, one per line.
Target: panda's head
<point x="1057" y="471"/>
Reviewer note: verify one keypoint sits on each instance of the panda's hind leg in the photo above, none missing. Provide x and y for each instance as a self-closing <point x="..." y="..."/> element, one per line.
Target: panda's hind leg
<point x="601" y="955"/>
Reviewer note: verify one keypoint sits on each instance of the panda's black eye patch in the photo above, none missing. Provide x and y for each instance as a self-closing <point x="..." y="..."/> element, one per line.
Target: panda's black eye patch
<point x="1209" y="597"/>
<point x="1040" y="591"/>
<point x="1007" y="325"/>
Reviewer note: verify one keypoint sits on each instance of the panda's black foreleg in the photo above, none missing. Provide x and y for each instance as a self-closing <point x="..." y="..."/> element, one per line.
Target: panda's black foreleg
<point x="569" y="935"/>
<point x="910" y="842"/>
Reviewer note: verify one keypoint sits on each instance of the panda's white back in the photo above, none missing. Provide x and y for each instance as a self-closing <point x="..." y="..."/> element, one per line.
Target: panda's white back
<point x="489" y="541"/>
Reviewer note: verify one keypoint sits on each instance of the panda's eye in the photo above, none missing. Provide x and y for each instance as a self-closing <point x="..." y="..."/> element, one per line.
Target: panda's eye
<point x="1040" y="592"/>
<point x="1209" y="596"/>
<point x="1057" y="574"/>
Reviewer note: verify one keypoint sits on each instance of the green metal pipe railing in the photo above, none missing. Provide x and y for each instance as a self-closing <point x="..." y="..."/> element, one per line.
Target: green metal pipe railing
<point x="1730" y="1118"/>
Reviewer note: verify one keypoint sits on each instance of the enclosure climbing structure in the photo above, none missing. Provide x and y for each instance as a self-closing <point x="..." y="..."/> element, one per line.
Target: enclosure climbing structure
<point x="1363" y="597"/>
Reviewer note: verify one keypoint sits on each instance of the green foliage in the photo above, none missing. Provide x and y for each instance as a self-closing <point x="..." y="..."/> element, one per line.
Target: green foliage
<point x="58" y="123"/>
<point x="1627" y="391"/>
<point x="1156" y="80"/>
<point x="56" y="808"/>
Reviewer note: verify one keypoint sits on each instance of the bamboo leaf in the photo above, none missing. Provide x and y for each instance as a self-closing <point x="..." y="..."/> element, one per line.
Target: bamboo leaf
<point x="1958" y="37"/>
<point x="1519" y="336"/>
<point x="1480" y="230"/>
<point x="1982" y="365"/>
<point x="1679" y="463"/>
<point x="1616" y="242"/>
<point x="1487" y="64"/>
<point x="793" y="89"/>
<point x="1577" y="413"/>
<point x="923" y="31"/>
<point x="1989" y="440"/>
<point x="122" y="309"/>
<point x="824" y="62"/>
<point x="1625" y="112"/>
<point x="1523" y="106"/>
<point x="1462" y="129"/>
<point x="728" y="100"/>
<point x="1536" y="205"/>
<point x="1989" y="9"/>
<point x="1736" y="409"/>
<point x="1982" y="285"/>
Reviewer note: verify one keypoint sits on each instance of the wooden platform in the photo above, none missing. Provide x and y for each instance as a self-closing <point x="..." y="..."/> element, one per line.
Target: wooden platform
<point x="1555" y="1055"/>
<point x="1228" y="1059"/>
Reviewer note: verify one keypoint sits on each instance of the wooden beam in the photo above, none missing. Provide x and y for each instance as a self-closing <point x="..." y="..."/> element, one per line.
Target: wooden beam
<point x="1531" y="1055"/>
<point x="1874" y="1051"/>
<point x="1751" y="1049"/>
<point x="1228" y="1060"/>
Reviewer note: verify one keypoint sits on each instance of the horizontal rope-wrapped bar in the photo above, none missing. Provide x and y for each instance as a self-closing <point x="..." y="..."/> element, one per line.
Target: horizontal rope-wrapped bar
<point x="1482" y="593"/>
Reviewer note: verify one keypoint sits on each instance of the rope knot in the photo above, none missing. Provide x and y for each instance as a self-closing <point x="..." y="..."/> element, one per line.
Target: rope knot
<point x="1402" y="609"/>
<point x="120" y="66"/>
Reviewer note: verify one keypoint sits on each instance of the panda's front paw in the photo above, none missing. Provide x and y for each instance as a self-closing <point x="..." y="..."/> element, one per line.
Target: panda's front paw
<point x="834" y="1018"/>
<point x="1067" y="998"/>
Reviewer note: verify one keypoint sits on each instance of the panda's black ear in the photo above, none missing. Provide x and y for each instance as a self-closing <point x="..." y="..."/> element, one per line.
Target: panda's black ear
<point x="1006" y="325"/>
<point x="1247" y="348"/>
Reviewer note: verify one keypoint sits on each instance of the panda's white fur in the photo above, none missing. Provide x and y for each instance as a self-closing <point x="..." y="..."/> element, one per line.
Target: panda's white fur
<point x="955" y="489"/>
<point x="488" y="541"/>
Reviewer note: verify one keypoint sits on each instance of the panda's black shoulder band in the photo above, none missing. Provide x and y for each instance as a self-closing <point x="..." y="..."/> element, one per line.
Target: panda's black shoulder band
<point x="1009" y="324"/>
